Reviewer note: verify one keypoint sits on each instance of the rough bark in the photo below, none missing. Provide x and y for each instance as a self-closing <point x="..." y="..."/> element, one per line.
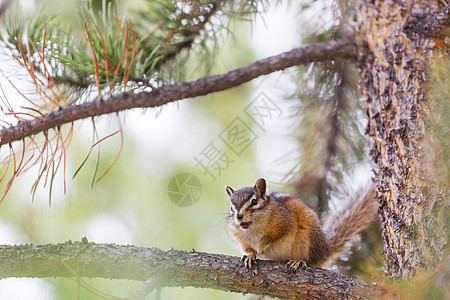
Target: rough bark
<point x="410" y="174"/>
<point x="337" y="50"/>
<point x="428" y="25"/>
<point x="178" y="268"/>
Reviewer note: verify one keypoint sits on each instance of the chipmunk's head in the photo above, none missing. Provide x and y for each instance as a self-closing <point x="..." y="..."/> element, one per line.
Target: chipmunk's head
<point x="246" y="203"/>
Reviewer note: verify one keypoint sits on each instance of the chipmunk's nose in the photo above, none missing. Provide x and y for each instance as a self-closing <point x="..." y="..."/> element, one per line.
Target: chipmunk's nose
<point x="239" y="216"/>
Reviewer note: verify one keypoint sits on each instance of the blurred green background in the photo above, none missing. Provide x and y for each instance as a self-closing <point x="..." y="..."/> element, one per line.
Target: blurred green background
<point x="130" y="205"/>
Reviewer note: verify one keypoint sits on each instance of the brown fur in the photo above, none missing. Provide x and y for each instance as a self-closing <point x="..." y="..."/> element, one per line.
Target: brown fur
<point x="357" y="213"/>
<point x="283" y="228"/>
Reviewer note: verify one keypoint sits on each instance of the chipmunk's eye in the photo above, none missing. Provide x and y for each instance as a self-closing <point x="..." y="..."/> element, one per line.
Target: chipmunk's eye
<point x="231" y="208"/>
<point x="254" y="202"/>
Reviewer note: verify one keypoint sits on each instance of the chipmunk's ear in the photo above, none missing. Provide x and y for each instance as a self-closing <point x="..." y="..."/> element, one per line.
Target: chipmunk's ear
<point x="229" y="190"/>
<point x="260" y="187"/>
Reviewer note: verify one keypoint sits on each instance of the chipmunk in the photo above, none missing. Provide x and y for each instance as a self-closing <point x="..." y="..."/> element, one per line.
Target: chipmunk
<point x="281" y="227"/>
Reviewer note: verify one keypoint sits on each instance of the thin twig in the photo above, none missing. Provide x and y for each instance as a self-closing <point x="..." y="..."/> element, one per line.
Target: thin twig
<point x="332" y="139"/>
<point x="133" y="53"/>
<point x="192" y="33"/>
<point x="94" y="59"/>
<point x="124" y="51"/>
<point x="118" y="152"/>
<point x="428" y="25"/>
<point x="87" y="286"/>
<point x="103" y="52"/>
<point x="144" y="290"/>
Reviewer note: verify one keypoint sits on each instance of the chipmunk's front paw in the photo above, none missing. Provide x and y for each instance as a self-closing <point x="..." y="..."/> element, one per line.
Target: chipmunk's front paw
<point x="262" y="249"/>
<point x="250" y="263"/>
<point x="293" y="265"/>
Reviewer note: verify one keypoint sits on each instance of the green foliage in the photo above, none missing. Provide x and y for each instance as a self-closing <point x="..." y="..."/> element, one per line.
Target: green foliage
<point x="116" y="49"/>
<point x="107" y="50"/>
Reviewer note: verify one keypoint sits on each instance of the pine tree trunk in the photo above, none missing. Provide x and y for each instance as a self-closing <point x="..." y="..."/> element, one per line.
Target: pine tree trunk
<point x="409" y="169"/>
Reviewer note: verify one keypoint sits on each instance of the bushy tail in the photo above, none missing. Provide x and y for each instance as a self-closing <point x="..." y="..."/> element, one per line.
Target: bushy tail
<point x="359" y="210"/>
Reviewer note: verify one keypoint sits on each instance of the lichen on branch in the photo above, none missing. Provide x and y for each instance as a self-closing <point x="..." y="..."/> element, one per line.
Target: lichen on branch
<point x="177" y="268"/>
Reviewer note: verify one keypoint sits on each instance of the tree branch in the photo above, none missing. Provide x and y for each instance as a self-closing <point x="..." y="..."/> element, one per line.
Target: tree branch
<point x="177" y="268"/>
<point x="335" y="50"/>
